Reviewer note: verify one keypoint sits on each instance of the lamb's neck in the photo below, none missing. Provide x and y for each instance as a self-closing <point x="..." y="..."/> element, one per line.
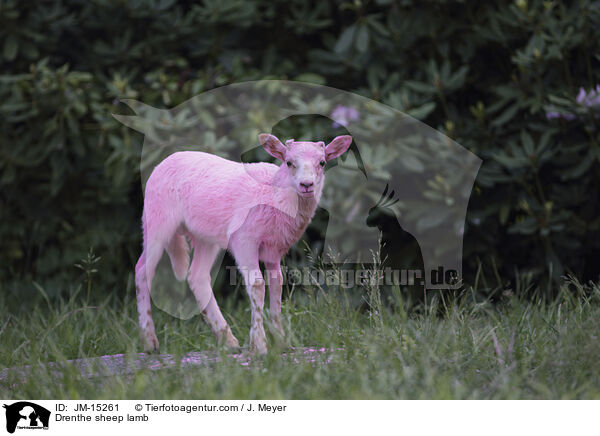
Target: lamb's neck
<point x="307" y="206"/>
<point x="280" y="177"/>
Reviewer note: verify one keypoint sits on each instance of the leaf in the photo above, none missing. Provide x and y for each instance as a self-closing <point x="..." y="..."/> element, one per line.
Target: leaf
<point x="526" y="227"/>
<point x="412" y="163"/>
<point x="362" y="39"/>
<point x="345" y="40"/>
<point x="559" y="100"/>
<point x="10" y="47"/>
<point x="527" y="142"/>
<point x="506" y="116"/>
<point x="509" y="162"/>
<point x="433" y="219"/>
<point x="457" y="79"/>
<point x="578" y="170"/>
<point x="503" y="213"/>
<point x="377" y="26"/>
<point x="424" y="88"/>
<point x="5" y="78"/>
<point x="422" y="111"/>
<point x="164" y="4"/>
<point x="311" y="78"/>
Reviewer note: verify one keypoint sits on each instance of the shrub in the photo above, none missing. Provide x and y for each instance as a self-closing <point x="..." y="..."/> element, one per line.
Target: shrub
<point x="487" y="74"/>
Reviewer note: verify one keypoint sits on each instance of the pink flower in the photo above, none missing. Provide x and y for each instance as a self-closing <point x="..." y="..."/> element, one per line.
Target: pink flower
<point x="564" y="115"/>
<point x="589" y="99"/>
<point x="342" y="115"/>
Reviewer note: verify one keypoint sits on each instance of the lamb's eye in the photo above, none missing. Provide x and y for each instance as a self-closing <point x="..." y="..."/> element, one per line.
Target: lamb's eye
<point x="322" y="163"/>
<point x="289" y="164"/>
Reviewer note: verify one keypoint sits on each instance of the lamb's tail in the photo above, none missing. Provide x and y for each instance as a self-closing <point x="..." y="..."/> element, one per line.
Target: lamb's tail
<point x="179" y="253"/>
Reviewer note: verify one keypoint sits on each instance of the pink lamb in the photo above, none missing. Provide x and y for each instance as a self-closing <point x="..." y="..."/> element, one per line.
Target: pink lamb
<point x="256" y="211"/>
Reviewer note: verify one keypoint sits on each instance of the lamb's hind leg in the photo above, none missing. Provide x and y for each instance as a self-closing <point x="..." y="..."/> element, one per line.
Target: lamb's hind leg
<point x="179" y="253"/>
<point x="199" y="281"/>
<point x="144" y="273"/>
<point x="158" y="231"/>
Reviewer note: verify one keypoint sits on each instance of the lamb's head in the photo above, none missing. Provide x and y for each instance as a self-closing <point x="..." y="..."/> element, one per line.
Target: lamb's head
<point x="303" y="161"/>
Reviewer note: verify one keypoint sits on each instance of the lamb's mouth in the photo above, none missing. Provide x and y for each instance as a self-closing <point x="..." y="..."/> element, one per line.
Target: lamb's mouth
<point x="307" y="193"/>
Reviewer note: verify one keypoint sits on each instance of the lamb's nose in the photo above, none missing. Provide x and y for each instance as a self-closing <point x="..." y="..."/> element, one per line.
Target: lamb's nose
<point x="306" y="184"/>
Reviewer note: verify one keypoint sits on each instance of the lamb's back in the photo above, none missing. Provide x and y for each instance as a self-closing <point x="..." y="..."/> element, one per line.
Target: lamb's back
<point x="209" y="190"/>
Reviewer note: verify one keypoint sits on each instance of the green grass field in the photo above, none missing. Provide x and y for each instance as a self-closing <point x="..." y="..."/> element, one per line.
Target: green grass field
<point x="457" y="349"/>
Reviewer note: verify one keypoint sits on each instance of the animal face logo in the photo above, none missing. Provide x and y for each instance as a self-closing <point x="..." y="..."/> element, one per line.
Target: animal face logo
<point x="394" y="165"/>
<point x="26" y="415"/>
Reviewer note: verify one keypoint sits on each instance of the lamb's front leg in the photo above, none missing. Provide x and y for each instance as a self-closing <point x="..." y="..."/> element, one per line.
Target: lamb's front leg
<point x="255" y="286"/>
<point x="247" y="260"/>
<point x="275" y="282"/>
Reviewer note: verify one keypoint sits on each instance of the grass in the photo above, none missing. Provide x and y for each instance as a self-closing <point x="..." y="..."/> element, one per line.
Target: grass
<point x="459" y="349"/>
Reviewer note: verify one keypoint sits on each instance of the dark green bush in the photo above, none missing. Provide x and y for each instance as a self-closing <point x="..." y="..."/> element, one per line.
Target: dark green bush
<point x="484" y="73"/>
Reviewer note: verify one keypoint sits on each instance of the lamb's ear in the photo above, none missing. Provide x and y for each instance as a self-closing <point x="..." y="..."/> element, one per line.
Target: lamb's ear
<point x="337" y="147"/>
<point x="273" y="145"/>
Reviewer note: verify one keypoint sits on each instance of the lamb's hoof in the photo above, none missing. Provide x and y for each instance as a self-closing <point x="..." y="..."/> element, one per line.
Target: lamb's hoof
<point x="232" y="345"/>
<point x="258" y="351"/>
<point x="278" y="335"/>
<point x="258" y="339"/>
<point x="226" y="339"/>
<point x="258" y="347"/>
<point x="150" y="343"/>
